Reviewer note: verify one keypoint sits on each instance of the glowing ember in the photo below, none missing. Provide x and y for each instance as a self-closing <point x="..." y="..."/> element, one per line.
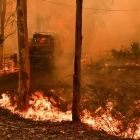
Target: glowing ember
<point x="106" y="64"/>
<point x="132" y="64"/>
<point x="42" y="109"/>
<point x="121" y="69"/>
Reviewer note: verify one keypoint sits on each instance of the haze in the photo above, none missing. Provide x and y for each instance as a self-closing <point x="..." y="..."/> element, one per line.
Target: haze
<point x="102" y="30"/>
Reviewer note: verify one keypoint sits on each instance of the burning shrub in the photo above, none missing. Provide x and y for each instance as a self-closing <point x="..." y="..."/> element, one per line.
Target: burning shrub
<point x="120" y="105"/>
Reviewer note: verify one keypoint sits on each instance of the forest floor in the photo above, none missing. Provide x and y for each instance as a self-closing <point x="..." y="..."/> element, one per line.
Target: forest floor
<point x="13" y="127"/>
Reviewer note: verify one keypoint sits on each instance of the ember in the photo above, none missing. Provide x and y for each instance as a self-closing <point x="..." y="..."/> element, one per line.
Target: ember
<point x="41" y="109"/>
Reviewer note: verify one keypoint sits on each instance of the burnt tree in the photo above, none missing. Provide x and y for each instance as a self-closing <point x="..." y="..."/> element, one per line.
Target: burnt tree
<point x="77" y="63"/>
<point x="24" y="66"/>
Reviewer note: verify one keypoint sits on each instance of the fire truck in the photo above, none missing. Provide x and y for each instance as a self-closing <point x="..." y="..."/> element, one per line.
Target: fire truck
<point x="44" y="48"/>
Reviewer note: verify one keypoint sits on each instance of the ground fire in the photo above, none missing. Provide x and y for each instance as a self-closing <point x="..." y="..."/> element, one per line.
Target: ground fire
<point x="42" y="109"/>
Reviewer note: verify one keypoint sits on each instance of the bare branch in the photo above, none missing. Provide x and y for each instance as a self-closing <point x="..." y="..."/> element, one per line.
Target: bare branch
<point x="9" y="34"/>
<point x="8" y="19"/>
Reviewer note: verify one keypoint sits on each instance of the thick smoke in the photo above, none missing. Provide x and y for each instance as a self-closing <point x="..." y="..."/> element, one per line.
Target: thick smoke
<point x="121" y="27"/>
<point x="102" y="29"/>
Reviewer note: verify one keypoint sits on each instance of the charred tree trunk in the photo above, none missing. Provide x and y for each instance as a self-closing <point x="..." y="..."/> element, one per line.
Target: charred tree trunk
<point x="2" y="19"/>
<point x="24" y="66"/>
<point x="77" y="63"/>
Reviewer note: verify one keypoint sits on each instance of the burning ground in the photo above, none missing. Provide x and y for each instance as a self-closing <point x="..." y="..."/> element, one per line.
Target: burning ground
<point x="49" y="115"/>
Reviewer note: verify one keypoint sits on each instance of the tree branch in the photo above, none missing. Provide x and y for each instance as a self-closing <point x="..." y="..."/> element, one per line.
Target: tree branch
<point x="9" y="34"/>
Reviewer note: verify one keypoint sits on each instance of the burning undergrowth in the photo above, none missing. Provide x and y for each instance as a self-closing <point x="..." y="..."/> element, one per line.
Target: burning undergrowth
<point x="110" y="101"/>
<point x="102" y="108"/>
<point x="118" y="107"/>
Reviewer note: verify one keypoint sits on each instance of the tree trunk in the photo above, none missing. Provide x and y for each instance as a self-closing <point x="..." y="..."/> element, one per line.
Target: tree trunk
<point x="2" y="19"/>
<point x="77" y="63"/>
<point x="24" y="66"/>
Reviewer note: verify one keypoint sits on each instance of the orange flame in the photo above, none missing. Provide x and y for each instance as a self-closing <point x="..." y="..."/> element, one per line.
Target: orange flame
<point x="42" y="109"/>
<point x="9" y="66"/>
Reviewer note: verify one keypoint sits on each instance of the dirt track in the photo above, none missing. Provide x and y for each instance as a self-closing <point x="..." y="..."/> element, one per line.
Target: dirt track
<point x="9" y="81"/>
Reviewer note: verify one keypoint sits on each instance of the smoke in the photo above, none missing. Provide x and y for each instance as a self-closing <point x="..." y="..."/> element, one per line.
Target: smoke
<point x="10" y="45"/>
<point x="121" y="27"/>
<point x="61" y="18"/>
<point x="102" y="29"/>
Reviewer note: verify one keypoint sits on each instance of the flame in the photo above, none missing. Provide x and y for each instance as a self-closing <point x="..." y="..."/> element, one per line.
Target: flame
<point x="132" y="64"/>
<point x="106" y="64"/>
<point x="41" y="108"/>
<point x="121" y="69"/>
<point x="86" y="59"/>
<point x="9" y="67"/>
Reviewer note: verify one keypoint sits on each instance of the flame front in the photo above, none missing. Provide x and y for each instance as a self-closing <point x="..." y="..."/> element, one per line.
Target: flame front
<point x="42" y="109"/>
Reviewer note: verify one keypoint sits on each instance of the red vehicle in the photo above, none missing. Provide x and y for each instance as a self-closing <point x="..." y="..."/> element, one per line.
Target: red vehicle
<point x="44" y="48"/>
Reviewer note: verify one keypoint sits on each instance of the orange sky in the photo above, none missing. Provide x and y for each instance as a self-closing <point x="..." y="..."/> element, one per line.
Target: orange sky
<point x="119" y="28"/>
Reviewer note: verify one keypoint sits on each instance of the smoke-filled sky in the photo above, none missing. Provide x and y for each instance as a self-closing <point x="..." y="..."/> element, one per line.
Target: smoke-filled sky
<point x="121" y="28"/>
<point x="102" y="30"/>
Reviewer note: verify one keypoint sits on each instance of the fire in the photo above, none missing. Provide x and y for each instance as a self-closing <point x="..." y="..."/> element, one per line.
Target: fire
<point x="41" y="109"/>
<point x="132" y="64"/>
<point x="10" y="66"/>
<point x="106" y="64"/>
<point x="121" y="69"/>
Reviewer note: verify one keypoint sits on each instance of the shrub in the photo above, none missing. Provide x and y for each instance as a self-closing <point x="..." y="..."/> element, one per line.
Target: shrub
<point x="125" y="54"/>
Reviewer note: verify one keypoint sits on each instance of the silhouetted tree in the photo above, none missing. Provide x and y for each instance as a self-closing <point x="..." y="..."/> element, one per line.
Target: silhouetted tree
<point x="2" y="18"/>
<point x="24" y="66"/>
<point x="7" y="18"/>
<point x="77" y="63"/>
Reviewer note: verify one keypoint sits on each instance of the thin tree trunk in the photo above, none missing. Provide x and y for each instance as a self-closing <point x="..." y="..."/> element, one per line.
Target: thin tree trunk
<point x="2" y="19"/>
<point x="77" y="63"/>
<point x="1" y="50"/>
<point x="24" y="66"/>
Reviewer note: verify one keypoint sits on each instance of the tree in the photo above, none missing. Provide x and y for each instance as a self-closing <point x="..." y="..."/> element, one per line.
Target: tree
<point x="77" y="63"/>
<point x="1" y="39"/>
<point x="2" y="18"/>
<point x="7" y="18"/>
<point x="24" y="66"/>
